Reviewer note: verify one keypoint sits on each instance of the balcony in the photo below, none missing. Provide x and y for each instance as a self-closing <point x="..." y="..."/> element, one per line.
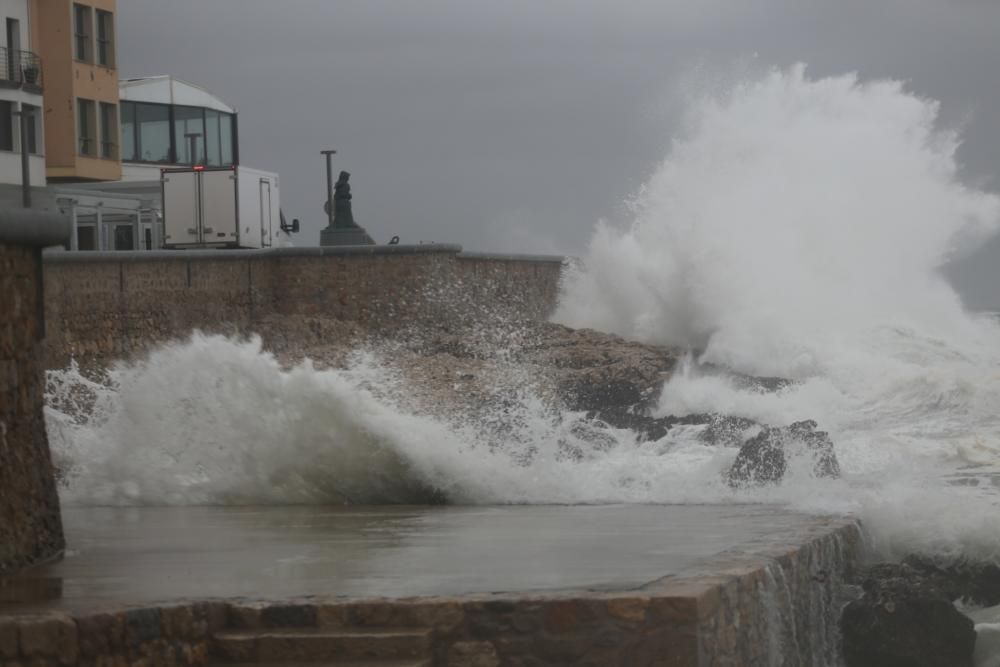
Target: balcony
<point x="20" y="69"/>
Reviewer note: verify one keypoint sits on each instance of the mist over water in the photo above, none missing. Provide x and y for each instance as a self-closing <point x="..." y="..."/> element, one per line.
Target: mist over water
<point x="796" y="228"/>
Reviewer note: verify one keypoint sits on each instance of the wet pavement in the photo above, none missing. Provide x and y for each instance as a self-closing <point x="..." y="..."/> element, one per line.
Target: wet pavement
<point x="141" y="555"/>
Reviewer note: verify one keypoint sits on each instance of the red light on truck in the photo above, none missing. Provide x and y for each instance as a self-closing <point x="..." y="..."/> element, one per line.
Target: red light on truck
<point x="199" y="167"/>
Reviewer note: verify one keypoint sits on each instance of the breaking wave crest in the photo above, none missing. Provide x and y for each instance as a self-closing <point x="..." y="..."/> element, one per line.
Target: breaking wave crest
<point x="218" y="421"/>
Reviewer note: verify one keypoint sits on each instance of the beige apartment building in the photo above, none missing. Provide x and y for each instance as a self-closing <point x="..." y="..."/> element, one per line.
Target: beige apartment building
<point x="76" y="41"/>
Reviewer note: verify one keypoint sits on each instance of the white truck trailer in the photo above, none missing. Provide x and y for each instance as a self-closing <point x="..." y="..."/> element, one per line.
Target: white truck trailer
<point x="220" y="207"/>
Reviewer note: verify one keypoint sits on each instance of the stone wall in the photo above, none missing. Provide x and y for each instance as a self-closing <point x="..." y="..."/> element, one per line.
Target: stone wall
<point x="30" y="526"/>
<point x="773" y="603"/>
<point x="109" y="305"/>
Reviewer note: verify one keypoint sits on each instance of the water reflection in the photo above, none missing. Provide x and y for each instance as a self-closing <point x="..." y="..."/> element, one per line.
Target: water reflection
<point x="158" y="554"/>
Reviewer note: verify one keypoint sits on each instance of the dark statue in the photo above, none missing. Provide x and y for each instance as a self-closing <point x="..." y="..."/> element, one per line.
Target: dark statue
<point x="343" y="217"/>
<point x="343" y="231"/>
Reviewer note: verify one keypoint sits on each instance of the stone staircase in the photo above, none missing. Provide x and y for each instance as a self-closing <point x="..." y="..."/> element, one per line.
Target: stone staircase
<point x="302" y="644"/>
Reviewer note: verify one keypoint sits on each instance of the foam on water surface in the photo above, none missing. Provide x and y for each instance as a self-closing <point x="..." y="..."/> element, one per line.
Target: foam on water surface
<point x="797" y="228"/>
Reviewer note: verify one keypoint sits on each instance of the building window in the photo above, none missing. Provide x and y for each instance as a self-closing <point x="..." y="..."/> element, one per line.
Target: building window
<point x="34" y="122"/>
<point x="105" y="38"/>
<point x="156" y="133"/>
<point x="6" y="125"/>
<point x="13" y="50"/>
<point x="153" y="132"/>
<point x="213" y="147"/>
<point x="109" y="131"/>
<point x="86" y="237"/>
<point x="86" y="127"/>
<point x="124" y="237"/>
<point x="218" y="138"/>
<point x="226" y="138"/>
<point x="83" y="33"/>
<point x="128" y="143"/>
<point x="189" y="121"/>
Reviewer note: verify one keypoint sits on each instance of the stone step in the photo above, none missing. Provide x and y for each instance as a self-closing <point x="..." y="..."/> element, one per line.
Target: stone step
<point x="291" y="645"/>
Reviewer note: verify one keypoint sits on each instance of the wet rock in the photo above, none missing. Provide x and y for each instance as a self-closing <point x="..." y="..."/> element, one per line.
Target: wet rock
<point x="971" y="581"/>
<point x="728" y="431"/>
<point x="761" y="384"/>
<point x="907" y="614"/>
<point x="763" y="459"/>
<point x="598" y="371"/>
<point x="896" y="631"/>
<point x="647" y="427"/>
<point x="719" y="429"/>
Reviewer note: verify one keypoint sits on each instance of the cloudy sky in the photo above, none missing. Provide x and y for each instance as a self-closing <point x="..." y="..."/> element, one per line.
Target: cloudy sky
<point x="516" y="125"/>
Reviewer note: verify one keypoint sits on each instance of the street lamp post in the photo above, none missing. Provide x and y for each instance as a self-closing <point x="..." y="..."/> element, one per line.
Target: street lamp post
<point x="26" y="117"/>
<point x="329" y="185"/>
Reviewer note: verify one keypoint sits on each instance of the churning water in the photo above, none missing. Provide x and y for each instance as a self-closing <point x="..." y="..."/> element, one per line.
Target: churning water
<point x="797" y="228"/>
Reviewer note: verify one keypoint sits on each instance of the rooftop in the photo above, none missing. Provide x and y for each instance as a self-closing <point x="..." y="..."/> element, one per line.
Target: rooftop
<point x="166" y="89"/>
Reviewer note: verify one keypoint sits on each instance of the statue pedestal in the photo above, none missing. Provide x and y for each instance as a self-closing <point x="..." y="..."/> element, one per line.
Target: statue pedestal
<point x="344" y="236"/>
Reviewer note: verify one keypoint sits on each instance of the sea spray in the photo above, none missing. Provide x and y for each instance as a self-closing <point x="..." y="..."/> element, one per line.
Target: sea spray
<point x="797" y="228"/>
<point x="791" y="214"/>
<point x="212" y="420"/>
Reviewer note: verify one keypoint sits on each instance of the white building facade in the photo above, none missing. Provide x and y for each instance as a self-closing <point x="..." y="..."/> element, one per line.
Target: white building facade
<point x="21" y="86"/>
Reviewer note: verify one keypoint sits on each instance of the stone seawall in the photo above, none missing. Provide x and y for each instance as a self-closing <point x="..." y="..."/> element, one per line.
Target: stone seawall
<point x="30" y="527"/>
<point x="774" y="603"/>
<point x="111" y="305"/>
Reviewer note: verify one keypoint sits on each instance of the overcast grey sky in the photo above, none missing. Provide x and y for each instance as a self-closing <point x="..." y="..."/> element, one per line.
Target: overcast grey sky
<point x="515" y="125"/>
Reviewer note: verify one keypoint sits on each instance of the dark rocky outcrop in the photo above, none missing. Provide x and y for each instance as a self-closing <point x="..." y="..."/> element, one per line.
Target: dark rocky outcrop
<point x="763" y="459"/>
<point x="594" y="371"/>
<point x="976" y="582"/>
<point x="907" y="614"/>
<point x="906" y="632"/>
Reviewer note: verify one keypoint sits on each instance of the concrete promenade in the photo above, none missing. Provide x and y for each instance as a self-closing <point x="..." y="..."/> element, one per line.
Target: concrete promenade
<point x="422" y="586"/>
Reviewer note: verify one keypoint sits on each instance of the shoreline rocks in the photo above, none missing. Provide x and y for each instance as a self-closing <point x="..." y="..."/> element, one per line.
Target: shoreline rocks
<point x="907" y="614"/>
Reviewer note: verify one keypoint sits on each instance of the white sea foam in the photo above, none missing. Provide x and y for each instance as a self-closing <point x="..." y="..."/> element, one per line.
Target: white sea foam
<point x="797" y="228"/>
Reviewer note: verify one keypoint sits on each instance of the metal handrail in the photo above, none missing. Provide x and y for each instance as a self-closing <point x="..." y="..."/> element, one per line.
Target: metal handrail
<point x="21" y="67"/>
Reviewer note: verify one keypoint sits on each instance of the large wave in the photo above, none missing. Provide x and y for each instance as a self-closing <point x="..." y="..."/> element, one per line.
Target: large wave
<point x="797" y="228"/>
<point x="213" y="420"/>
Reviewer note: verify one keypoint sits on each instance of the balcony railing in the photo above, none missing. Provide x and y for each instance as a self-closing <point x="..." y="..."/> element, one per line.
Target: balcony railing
<point x="21" y="68"/>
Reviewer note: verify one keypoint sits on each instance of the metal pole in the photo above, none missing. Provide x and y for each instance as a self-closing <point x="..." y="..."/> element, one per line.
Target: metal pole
<point x="25" y="117"/>
<point x="329" y="185"/>
<point x="102" y="233"/>
<point x="74" y="239"/>
<point x="193" y="140"/>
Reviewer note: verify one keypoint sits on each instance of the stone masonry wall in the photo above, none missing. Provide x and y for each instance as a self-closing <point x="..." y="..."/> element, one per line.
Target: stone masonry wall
<point x="110" y="305"/>
<point x="30" y="526"/>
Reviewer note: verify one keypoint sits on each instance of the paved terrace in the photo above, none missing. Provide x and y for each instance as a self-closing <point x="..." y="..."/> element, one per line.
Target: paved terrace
<point x="636" y="585"/>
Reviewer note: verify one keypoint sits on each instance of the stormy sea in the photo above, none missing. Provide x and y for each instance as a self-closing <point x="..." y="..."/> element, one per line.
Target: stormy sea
<point x="797" y="228"/>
